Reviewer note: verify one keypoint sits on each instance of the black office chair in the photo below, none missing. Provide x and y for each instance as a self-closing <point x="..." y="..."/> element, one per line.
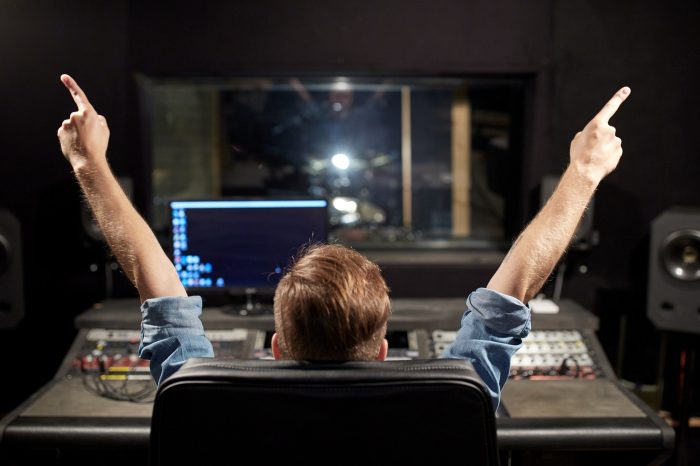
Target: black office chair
<point x="216" y="411"/>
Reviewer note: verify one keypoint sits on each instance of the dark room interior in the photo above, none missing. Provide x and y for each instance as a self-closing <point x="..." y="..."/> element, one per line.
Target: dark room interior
<point x="536" y="72"/>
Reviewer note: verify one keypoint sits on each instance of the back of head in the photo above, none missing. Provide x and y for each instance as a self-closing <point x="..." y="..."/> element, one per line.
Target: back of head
<point x="332" y="304"/>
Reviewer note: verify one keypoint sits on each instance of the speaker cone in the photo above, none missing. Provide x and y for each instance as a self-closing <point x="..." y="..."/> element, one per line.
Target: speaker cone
<point x="680" y="254"/>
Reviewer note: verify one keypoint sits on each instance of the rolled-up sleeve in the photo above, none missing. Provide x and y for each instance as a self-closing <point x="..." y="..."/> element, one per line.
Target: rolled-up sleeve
<point x="171" y="333"/>
<point x="491" y="331"/>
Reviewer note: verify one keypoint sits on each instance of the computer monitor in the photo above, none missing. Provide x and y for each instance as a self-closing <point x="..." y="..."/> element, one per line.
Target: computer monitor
<point x="240" y="247"/>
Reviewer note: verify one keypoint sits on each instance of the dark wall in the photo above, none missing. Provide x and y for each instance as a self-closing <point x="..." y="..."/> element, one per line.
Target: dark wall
<point x="309" y="36"/>
<point x="575" y="53"/>
<point x="39" y="40"/>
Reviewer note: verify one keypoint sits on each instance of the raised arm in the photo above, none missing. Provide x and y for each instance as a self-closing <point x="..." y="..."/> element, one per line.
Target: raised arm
<point x="595" y="152"/>
<point x="84" y="137"/>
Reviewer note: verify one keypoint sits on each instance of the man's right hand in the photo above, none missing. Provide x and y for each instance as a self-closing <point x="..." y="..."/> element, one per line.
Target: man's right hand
<point x="595" y="150"/>
<point x="84" y="135"/>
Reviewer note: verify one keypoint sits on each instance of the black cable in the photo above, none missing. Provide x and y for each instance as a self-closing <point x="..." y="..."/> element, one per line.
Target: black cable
<point x="98" y="383"/>
<point x="564" y="368"/>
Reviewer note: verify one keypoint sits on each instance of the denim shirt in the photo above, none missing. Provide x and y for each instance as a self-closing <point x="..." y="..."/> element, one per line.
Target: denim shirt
<point x="171" y="333"/>
<point x="491" y="331"/>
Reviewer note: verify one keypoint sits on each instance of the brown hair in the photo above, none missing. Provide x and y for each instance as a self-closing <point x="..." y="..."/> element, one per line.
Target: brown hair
<point x="332" y="304"/>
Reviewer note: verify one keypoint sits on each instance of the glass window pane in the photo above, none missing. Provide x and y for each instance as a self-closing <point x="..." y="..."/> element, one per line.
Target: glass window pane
<point x="400" y="160"/>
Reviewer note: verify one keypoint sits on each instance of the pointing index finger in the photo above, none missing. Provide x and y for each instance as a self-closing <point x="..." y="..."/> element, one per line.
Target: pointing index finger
<point x="76" y="92"/>
<point x="613" y="104"/>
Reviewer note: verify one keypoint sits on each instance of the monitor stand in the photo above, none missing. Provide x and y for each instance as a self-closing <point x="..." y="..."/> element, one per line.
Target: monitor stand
<point x="249" y="304"/>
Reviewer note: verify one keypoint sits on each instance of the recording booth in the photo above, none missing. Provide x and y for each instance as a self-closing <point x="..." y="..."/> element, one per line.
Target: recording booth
<point x="563" y="401"/>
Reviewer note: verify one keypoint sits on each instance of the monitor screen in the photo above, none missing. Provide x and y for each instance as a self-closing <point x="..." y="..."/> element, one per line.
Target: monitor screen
<point x="242" y="246"/>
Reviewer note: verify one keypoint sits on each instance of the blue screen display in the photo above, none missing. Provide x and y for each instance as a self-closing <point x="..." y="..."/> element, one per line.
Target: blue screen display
<point x="236" y="244"/>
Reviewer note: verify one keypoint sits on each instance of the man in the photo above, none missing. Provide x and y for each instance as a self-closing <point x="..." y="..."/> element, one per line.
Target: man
<point x="333" y="303"/>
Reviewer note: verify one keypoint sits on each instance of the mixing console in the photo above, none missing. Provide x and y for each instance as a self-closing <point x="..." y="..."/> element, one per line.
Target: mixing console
<point x="100" y="398"/>
<point x="545" y="355"/>
<point x="108" y="361"/>
<point x="109" y="365"/>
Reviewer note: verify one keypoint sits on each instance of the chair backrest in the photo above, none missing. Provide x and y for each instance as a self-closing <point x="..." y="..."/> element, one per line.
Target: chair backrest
<point x="217" y="411"/>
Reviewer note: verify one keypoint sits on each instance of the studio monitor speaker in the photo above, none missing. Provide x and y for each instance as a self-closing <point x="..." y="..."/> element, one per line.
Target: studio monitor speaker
<point x="673" y="299"/>
<point x="11" y="283"/>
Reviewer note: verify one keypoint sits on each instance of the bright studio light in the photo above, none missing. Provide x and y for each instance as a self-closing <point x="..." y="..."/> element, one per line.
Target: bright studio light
<point x="340" y="161"/>
<point x="345" y="205"/>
